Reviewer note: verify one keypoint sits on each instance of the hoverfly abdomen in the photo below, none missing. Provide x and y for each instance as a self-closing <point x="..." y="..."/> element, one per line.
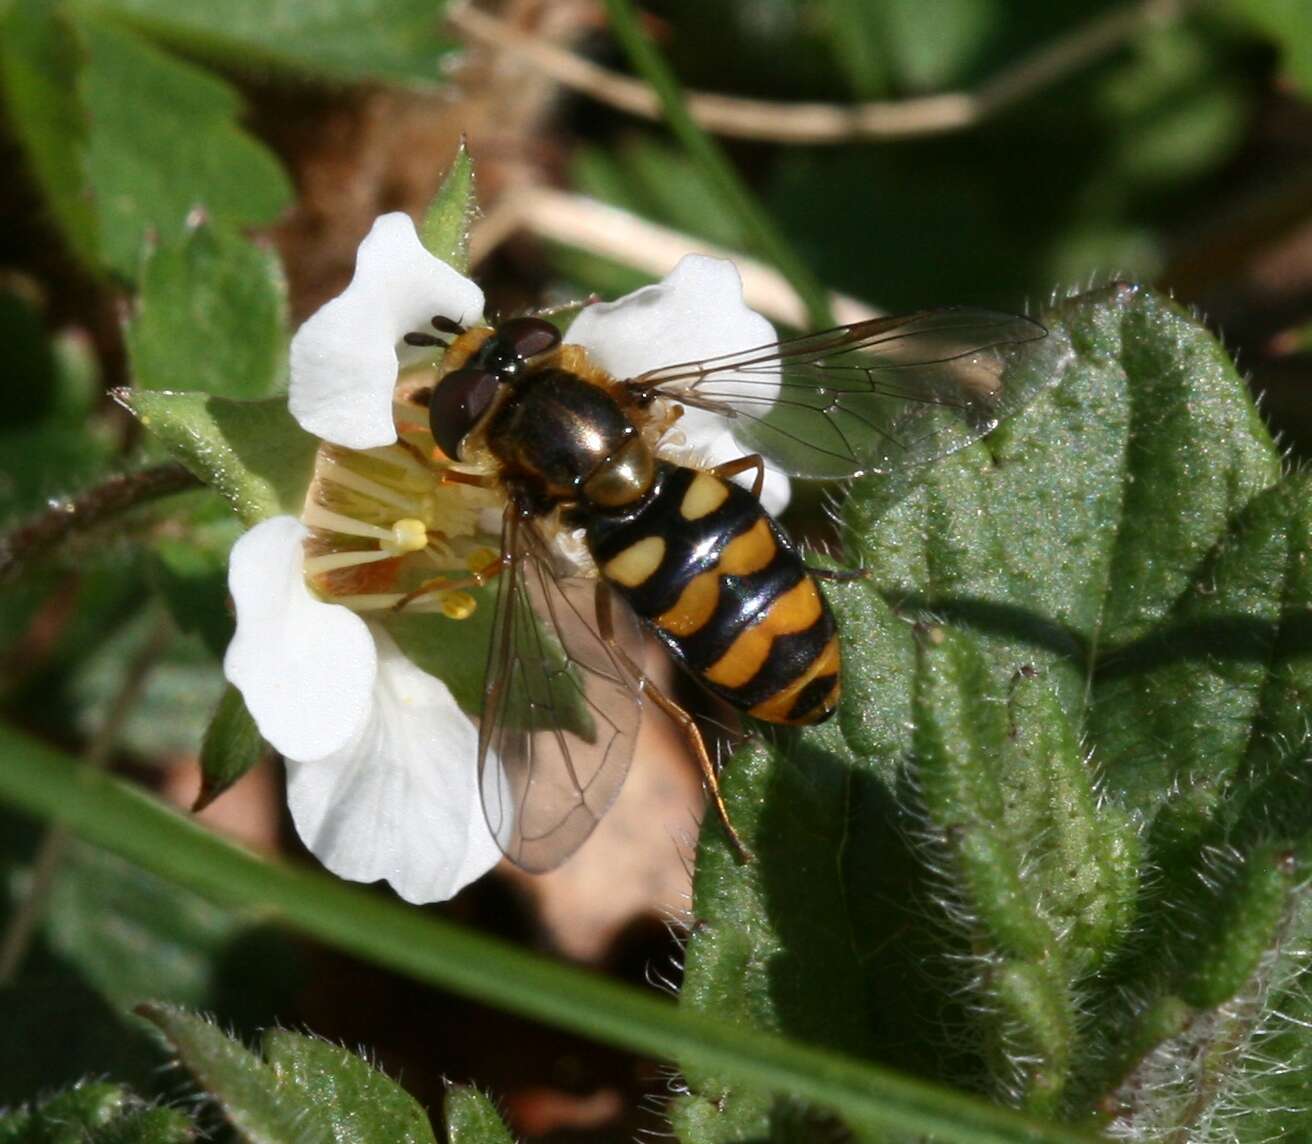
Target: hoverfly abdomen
<point x="710" y="573"/>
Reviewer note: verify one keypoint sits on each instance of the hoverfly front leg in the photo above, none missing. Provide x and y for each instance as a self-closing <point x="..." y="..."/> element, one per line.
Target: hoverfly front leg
<point x="476" y="579"/>
<point x="741" y="465"/>
<point x="478" y="480"/>
<point x="681" y="718"/>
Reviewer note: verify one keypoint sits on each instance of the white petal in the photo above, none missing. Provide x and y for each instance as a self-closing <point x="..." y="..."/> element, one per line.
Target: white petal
<point x="697" y="312"/>
<point x="400" y="803"/>
<point x="305" y="668"/>
<point x="344" y="358"/>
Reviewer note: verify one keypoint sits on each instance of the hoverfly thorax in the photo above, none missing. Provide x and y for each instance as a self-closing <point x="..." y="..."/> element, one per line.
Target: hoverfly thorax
<point x="558" y="432"/>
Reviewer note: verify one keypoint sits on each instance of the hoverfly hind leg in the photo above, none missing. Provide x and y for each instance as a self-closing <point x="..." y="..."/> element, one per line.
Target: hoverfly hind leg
<point x="839" y="575"/>
<point x="692" y="734"/>
<point x="741" y="465"/>
<point x="685" y="722"/>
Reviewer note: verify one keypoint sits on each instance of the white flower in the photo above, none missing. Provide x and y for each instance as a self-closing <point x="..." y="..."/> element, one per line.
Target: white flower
<point x="380" y="760"/>
<point x="382" y="779"/>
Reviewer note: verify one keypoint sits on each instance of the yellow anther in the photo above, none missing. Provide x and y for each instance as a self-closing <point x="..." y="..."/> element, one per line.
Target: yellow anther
<point x="408" y="535"/>
<point x="481" y="559"/>
<point x="458" y="605"/>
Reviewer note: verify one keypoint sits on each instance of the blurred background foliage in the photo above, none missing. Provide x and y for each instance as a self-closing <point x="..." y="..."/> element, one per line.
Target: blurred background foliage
<point x="189" y="180"/>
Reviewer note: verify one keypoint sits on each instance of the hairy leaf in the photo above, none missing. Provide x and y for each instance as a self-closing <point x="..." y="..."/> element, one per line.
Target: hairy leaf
<point x="1075" y="679"/>
<point x="95" y="1113"/>
<point x="211" y="316"/>
<point x="353" y="1102"/>
<point x="396" y="41"/>
<point x="243" y="1085"/>
<point x="304" y="1089"/>
<point x="38" y="54"/>
<point x="193" y="156"/>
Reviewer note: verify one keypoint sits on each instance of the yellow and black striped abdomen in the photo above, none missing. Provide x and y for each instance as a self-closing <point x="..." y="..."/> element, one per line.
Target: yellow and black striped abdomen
<point x="710" y="573"/>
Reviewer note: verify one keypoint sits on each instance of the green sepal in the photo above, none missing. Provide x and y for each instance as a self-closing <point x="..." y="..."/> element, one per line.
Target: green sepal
<point x="472" y="1118"/>
<point x="444" y="230"/>
<point x="252" y="452"/>
<point x="231" y="747"/>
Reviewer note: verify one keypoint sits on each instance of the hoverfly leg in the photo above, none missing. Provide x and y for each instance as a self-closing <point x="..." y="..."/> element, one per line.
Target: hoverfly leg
<point x="478" y="480"/>
<point x="476" y="579"/>
<point x="741" y="465"/>
<point x="839" y="575"/>
<point x="681" y="718"/>
<point x="693" y="735"/>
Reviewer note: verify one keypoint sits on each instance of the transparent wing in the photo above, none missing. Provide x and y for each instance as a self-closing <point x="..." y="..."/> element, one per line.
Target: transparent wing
<point x="869" y="397"/>
<point x="561" y="704"/>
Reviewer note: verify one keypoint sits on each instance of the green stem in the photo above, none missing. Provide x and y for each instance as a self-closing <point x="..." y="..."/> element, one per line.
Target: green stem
<point x="128" y="822"/>
<point x="765" y="238"/>
<point x="117" y="494"/>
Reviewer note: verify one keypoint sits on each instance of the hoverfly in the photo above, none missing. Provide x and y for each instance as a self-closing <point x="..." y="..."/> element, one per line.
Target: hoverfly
<point x="681" y="552"/>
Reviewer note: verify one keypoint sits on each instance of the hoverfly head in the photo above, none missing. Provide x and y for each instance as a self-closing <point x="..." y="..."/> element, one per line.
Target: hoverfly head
<point x="463" y="396"/>
<point x="515" y="343"/>
<point x="457" y="404"/>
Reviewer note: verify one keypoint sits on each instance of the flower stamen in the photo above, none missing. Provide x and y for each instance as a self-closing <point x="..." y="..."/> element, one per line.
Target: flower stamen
<point x="336" y="561"/>
<point x="390" y="532"/>
<point x="350" y="479"/>
<point x="458" y="605"/>
<point x="408" y="535"/>
<point x="316" y="516"/>
<point x="372" y="602"/>
<point x="482" y="560"/>
<point x="402" y="456"/>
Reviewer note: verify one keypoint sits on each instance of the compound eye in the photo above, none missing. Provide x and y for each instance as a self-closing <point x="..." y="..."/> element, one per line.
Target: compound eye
<point x="527" y="337"/>
<point x="458" y="402"/>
